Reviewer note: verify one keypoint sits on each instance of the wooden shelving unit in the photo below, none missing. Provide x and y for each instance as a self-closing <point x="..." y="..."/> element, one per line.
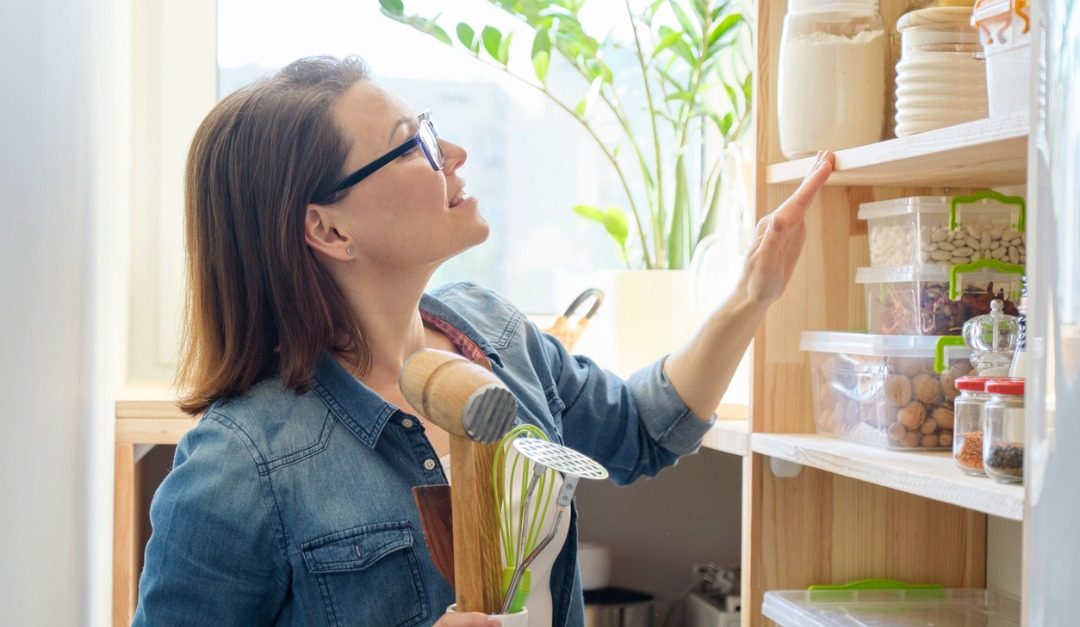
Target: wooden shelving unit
<point x="852" y="511"/>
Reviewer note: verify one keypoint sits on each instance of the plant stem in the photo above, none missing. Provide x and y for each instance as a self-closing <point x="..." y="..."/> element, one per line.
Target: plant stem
<point x="657" y="211"/>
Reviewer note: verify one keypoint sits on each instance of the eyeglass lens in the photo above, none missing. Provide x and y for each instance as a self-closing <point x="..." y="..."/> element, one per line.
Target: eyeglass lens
<point x="431" y="141"/>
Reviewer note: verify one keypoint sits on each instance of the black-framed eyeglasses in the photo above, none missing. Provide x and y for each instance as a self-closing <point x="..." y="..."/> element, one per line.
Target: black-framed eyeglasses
<point x="425" y="137"/>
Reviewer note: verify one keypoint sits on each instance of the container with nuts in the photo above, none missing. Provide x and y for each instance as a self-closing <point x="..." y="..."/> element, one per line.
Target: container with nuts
<point x="944" y="230"/>
<point x="915" y="300"/>
<point x="883" y="390"/>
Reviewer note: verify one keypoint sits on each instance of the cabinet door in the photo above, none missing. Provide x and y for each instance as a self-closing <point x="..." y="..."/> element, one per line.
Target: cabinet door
<point x="1052" y="546"/>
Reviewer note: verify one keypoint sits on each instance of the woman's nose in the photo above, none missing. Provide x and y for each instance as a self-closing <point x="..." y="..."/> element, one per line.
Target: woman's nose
<point x="454" y="156"/>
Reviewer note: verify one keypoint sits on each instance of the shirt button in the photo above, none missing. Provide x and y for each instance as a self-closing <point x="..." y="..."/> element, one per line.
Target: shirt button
<point x="407" y="423"/>
<point x="429" y="464"/>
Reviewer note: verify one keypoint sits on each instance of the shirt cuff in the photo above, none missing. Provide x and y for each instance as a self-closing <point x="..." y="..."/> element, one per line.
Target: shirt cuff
<point x="663" y="412"/>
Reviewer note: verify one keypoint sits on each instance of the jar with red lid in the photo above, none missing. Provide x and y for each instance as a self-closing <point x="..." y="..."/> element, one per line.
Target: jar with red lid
<point x="1003" y="440"/>
<point x="968" y="411"/>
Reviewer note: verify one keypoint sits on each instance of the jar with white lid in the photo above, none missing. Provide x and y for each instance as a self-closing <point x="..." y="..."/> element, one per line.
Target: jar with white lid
<point x="941" y="76"/>
<point x="1003" y="439"/>
<point x="831" y="87"/>
<point x="968" y="412"/>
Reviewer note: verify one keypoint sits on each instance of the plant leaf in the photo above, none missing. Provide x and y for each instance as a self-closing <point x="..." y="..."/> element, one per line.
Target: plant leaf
<point x="393" y="7"/>
<point x="466" y="35"/>
<point x="666" y="40"/>
<point x="679" y="233"/>
<point x="687" y="25"/>
<point x="492" y="38"/>
<point x="723" y="28"/>
<point x="589" y="213"/>
<point x="540" y="65"/>
<point x="504" y="49"/>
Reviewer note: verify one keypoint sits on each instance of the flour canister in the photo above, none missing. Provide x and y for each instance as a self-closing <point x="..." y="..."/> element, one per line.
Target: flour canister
<point x="831" y="83"/>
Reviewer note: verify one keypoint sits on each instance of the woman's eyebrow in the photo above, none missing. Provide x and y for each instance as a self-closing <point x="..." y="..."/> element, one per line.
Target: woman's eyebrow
<point x="393" y="132"/>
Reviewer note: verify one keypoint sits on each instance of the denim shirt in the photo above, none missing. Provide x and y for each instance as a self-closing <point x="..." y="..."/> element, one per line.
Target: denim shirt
<point x="296" y="509"/>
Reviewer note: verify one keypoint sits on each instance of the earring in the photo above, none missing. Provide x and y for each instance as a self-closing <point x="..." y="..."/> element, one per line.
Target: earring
<point x="348" y="251"/>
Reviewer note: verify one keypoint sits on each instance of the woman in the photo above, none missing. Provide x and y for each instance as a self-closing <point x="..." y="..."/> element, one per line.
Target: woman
<point x="318" y="205"/>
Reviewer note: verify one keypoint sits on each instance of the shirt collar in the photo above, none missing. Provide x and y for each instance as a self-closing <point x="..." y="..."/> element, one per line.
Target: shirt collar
<point x="360" y="408"/>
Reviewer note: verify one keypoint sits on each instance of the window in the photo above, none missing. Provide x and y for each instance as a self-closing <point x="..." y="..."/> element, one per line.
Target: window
<point x="526" y="181"/>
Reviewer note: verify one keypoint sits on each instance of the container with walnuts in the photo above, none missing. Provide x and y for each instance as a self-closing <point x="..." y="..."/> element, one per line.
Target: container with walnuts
<point x="883" y="390"/>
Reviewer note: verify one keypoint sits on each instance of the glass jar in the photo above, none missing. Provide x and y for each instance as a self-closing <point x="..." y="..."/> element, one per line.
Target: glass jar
<point x="831" y="86"/>
<point x="1003" y="440"/>
<point x="941" y="76"/>
<point x="968" y="411"/>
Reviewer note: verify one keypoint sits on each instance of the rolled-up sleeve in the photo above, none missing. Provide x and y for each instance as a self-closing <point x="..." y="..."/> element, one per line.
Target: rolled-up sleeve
<point x="633" y="427"/>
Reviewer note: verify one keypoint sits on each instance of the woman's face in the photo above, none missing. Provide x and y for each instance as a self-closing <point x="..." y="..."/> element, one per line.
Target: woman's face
<point x="405" y="215"/>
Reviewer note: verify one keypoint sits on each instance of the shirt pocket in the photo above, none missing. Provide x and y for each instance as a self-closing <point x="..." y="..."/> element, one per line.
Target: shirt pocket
<point x="368" y="575"/>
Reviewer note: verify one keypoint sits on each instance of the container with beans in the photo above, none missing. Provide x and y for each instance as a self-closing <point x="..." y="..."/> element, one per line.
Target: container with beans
<point x="968" y="409"/>
<point x="883" y="390"/>
<point x="946" y="230"/>
<point x="1003" y="439"/>
<point x="916" y="300"/>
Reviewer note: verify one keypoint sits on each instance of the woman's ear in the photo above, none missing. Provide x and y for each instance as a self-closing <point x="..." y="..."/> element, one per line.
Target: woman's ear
<point x="323" y="237"/>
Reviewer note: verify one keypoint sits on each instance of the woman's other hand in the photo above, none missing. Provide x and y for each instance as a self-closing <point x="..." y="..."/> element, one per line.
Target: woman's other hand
<point x="779" y="238"/>
<point x="466" y="619"/>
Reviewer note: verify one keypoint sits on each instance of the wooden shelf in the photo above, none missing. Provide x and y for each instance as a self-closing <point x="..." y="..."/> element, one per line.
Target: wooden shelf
<point x="930" y="475"/>
<point x="984" y="153"/>
<point x="729" y="436"/>
<point x="149" y="415"/>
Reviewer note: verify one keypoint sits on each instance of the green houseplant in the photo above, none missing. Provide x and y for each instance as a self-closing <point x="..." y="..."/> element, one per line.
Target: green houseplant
<point x="687" y="79"/>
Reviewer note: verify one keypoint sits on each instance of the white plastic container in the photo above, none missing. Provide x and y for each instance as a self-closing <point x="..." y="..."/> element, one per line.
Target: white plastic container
<point x="831" y="83"/>
<point x="921" y="300"/>
<point x="919" y="229"/>
<point x="857" y="608"/>
<point x="1005" y="33"/>
<point x="884" y="390"/>
<point x="941" y="76"/>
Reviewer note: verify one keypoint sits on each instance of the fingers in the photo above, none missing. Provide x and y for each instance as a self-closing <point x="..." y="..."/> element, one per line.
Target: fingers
<point x="795" y="207"/>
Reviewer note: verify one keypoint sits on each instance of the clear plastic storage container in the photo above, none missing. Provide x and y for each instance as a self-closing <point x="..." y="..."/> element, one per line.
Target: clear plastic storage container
<point x="852" y="608"/>
<point x="831" y="84"/>
<point x="944" y="229"/>
<point x="923" y="300"/>
<point x="883" y="390"/>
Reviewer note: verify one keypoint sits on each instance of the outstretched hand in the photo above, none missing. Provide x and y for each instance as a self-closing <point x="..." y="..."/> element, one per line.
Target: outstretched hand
<point x="779" y="238"/>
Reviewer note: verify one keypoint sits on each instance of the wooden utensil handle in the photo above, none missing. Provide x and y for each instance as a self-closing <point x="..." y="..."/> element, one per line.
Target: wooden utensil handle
<point x="477" y="564"/>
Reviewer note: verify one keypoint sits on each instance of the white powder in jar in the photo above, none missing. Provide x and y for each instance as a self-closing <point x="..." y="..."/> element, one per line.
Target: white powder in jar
<point x="831" y="91"/>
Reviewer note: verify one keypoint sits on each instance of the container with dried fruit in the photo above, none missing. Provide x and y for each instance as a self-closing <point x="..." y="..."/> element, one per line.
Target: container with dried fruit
<point x="916" y="300"/>
<point x="1003" y="442"/>
<point x="968" y="430"/>
<point x="883" y="390"/>
<point x="944" y="229"/>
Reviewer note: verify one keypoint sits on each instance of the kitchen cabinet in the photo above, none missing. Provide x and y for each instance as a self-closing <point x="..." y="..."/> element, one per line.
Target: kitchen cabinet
<point x="820" y="510"/>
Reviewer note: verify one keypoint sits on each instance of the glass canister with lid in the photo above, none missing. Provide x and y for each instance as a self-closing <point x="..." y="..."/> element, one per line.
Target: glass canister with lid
<point x="831" y="85"/>
<point x="941" y="76"/>
<point x="968" y="411"/>
<point x="1003" y="437"/>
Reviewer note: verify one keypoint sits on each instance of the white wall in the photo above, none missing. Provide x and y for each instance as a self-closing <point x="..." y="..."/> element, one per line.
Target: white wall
<point x="64" y="183"/>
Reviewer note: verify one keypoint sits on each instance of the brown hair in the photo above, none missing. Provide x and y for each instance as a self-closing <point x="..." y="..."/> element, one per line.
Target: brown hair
<point x="257" y="298"/>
